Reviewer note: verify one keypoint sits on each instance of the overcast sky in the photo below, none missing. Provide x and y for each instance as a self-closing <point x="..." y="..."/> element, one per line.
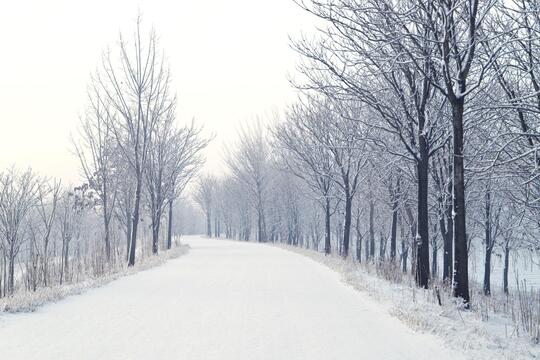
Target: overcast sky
<point x="229" y="59"/>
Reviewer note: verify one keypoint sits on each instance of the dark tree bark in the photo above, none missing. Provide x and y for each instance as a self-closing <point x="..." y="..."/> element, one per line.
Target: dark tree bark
<point x="489" y="245"/>
<point x="155" y="237"/>
<point x="506" y="264"/>
<point x="393" y="236"/>
<point x="347" y="228"/>
<point x="434" y="264"/>
<point x="444" y="185"/>
<point x="128" y="236"/>
<point x="382" y="246"/>
<point x="358" y="248"/>
<point x="371" y="228"/>
<point x="327" y="229"/>
<point x="422" y="240"/>
<point x="393" y="233"/>
<point x="208" y="223"/>
<point x="261" y="233"/>
<point x="11" y="272"/>
<point x="461" y="266"/>
<point x="169" y="225"/>
<point x="135" y="222"/>
<point x="367" y="249"/>
<point x="448" y="240"/>
<point x="106" y="220"/>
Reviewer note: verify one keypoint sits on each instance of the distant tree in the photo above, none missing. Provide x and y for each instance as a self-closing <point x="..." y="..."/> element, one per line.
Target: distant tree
<point x="47" y="209"/>
<point x="204" y="196"/>
<point x="94" y="148"/>
<point x="19" y="192"/>
<point x="309" y="159"/>
<point x="186" y="145"/>
<point x="250" y="165"/>
<point x="73" y="207"/>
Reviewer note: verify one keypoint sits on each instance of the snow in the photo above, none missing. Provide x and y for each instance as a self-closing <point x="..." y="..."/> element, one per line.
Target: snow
<point x="480" y="333"/>
<point x="24" y="301"/>
<point x="522" y="267"/>
<point x="223" y="300"/>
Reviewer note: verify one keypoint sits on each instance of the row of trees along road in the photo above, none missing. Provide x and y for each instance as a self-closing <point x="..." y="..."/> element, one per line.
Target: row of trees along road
<point x="416" y="118"/>
<point x="136" y="162"/>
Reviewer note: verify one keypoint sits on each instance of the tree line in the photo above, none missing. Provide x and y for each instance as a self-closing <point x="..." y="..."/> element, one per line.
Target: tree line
<point x="136" y="162"/>
<point x="415" y="133"/>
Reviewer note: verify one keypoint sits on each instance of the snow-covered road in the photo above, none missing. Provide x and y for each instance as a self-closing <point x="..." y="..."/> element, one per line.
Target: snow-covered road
<point x="223" y="300"/>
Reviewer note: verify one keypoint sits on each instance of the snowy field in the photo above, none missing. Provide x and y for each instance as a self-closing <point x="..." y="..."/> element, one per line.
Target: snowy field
<point x="522" y="268"/>
<point x="223" y="300"/>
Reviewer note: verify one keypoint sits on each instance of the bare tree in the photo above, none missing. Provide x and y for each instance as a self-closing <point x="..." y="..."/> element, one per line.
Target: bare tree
<point x="94" y="149"/>
<point x="136" y="86"/>
<point x="456" y="27"/>
<point x="384" y="44"/>
<point x="204" y="196"/>
<point x="342" y="138"/>
<point x="309" y="159"/>
<point x="186" y="145"/>
<point x="47" y="208"/>
<point x="157" y="186"/>
<point x="18" y="195"/>
<point x="250" y="165"/>
<point x="73" y="206"/>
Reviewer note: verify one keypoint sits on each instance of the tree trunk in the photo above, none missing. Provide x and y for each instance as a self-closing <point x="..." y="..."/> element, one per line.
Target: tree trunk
<point x="358" y="240"/>
<point x="448" y="237"/>
<point x="107" y="240"/>
<point x="422" y="238"/>
<point x="489" y="247"/>
<point x="339" y="238"/>
<point x="327" y="230"/>
<point x="208" y="223"/>
<point x="155" y="236"/>
<point x="505" y="271"/>
<point x="371" y="228"/>
<point x="347" y="228"/>
<point x="65" y="257"/>
<point x="403" y="237"/>
<point x="66" y="261"/>
<point x="434" y="264"/>
<point x="260" y="234"/>
<point x="461" y="271"/>
<point x="45" y="260"/>
<point x="135" y="223"/>
<point x="487" y="273"/>
<point x="11" y="271"/>
<point x="393" y="233"/>
<point x="169" y="225"/>
<point x="128" y="236"/>
<point x="404" y="255"/>
<point x="382" y="246"/>
<point x="106" y="219"/>
<point x="367" y="248"/>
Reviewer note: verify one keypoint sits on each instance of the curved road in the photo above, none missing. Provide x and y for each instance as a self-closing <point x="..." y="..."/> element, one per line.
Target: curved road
<point x="223" y="300"/>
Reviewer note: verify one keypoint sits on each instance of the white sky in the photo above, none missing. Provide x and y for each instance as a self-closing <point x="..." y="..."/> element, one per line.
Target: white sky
<point x="229" y="60"/>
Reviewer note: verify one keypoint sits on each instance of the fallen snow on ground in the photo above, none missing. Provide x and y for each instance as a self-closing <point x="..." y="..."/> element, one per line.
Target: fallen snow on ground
<point x="478" y="335"/>
<point x="224" y="300"/>
<point x="25" y="301"/>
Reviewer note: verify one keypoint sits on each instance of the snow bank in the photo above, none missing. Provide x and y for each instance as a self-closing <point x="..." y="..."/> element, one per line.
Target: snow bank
<point x="26" y="301"/>
<point x="481" y="332"/>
